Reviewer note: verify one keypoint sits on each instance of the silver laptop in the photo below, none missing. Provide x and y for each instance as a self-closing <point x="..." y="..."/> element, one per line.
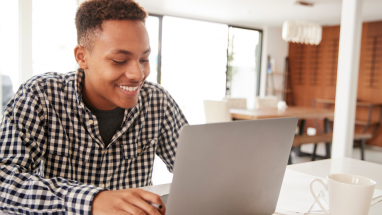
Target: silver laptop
<point x="230" y="168"/>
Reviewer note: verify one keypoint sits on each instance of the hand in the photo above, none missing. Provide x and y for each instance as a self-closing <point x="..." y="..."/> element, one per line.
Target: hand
<point x="129" y="202"/>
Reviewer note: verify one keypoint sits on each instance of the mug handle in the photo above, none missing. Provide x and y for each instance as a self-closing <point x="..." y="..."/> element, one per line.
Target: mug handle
<point x="315" y="196"/>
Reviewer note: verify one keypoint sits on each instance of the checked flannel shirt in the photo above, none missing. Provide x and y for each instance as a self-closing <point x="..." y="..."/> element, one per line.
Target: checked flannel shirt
<point x="52" y="158"/>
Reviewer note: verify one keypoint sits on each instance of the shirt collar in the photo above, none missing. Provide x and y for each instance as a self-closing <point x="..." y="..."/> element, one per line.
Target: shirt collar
<point x="80" y="76"/>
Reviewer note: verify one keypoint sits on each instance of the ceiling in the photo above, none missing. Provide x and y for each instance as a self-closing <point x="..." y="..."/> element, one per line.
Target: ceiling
<point x="259" y="13"/>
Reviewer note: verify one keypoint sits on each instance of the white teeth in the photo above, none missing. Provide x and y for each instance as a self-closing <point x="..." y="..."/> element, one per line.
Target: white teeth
<point x="129" y="88"/>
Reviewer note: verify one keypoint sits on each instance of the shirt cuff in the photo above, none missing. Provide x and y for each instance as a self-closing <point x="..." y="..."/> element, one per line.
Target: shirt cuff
<point x="79" y="199"/>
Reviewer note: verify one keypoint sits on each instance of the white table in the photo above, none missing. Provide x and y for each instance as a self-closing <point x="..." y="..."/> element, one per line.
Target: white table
<point x="344" y="165"/>
<point x="322" y="169"/>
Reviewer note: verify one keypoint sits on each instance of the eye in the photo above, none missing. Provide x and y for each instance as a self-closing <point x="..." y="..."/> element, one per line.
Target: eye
<point x="119" y="62"/>
<point x="144" y="61"/>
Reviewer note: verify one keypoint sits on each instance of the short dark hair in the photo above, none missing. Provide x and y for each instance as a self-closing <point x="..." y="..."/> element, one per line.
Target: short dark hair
<point x="92" y="13"/>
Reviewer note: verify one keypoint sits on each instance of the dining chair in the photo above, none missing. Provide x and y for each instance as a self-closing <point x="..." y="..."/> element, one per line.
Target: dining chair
<point x="216" y="111"/>
<point x="239" y="103"/>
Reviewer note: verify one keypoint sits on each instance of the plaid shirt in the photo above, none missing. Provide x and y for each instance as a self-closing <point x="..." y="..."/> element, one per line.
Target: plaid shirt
<point x="52" y="157"/>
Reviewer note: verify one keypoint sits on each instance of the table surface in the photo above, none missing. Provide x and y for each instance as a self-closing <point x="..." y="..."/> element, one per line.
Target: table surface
<point x="344" y="165"/>
<point x="264" y="113"/>
<point x="322" y="168"/>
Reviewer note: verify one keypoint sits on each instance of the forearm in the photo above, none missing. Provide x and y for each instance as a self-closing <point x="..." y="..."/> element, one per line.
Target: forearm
<point x="23" y="192"/>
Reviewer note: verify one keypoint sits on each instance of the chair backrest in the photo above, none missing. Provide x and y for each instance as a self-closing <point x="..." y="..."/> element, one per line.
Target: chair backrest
<point x="236" y="102"/>
<point x="216" y="111"/>
<point x="267" y="101"/>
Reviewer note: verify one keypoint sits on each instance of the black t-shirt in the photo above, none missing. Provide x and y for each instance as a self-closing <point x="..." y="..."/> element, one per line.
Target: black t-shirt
<point x="109" y="121"/>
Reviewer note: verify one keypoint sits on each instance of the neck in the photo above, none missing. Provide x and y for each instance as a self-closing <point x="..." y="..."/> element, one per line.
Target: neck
<point x="94" y="99"/>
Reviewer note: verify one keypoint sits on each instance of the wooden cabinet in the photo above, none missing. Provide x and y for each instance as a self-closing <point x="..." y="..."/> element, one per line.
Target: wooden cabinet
<point x="313" y="71"/>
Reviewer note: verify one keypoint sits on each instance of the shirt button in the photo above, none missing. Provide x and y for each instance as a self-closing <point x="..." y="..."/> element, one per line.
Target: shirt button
<point x="91" y="122"/>
<point x="105" y="152"/>
<point x="70" y="152"/>
<point x="139" y="150"/>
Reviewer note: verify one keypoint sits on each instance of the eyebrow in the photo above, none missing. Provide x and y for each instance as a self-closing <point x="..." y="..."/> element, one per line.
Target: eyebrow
<point x="125" y="52"/>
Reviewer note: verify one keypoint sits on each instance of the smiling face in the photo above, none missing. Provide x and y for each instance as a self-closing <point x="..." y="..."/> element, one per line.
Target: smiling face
<point x="117" y="65"/>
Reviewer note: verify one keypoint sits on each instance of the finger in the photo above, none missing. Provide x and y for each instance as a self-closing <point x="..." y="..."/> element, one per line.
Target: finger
<point x="122" y="213"/>
<point x="132" y="209"/>
<point x="154" y="198"/>
<point x="144" y="205"/>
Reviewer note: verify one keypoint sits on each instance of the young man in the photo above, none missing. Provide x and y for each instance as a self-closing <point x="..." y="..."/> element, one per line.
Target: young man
<point x="78" y="143"/>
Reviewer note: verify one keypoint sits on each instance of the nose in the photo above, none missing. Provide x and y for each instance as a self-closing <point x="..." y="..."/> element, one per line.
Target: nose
<point x="134" y="72"/>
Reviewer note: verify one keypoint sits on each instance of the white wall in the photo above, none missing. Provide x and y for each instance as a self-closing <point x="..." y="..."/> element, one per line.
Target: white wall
<point x="276" y="48"/>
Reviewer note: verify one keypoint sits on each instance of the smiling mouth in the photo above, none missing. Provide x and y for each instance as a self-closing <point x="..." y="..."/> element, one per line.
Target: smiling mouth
<point x="127" y="88"/>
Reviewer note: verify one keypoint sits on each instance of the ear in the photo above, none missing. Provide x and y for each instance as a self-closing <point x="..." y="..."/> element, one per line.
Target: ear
<point x="80" y="53"/>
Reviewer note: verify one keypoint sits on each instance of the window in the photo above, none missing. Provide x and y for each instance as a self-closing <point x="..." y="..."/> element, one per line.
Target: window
<point x="194" y="63"/>
<point x="152" y="26"/>
<point x="243" y="64"/>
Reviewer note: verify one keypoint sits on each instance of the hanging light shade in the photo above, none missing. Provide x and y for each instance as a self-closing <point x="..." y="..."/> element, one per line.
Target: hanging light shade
<point x="302" y="32"/>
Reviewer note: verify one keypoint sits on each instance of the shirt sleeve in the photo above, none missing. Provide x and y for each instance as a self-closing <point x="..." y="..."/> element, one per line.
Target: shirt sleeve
<point x="23" y="189"/>
<point x="172" y="122"/>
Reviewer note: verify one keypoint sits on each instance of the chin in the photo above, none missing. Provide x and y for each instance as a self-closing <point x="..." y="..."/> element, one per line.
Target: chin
<point x="127" y="105"/>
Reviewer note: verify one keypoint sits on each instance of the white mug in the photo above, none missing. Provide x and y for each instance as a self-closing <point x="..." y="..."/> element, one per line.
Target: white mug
<point x="348" y="194"/>
<point x="282" y="106"/>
